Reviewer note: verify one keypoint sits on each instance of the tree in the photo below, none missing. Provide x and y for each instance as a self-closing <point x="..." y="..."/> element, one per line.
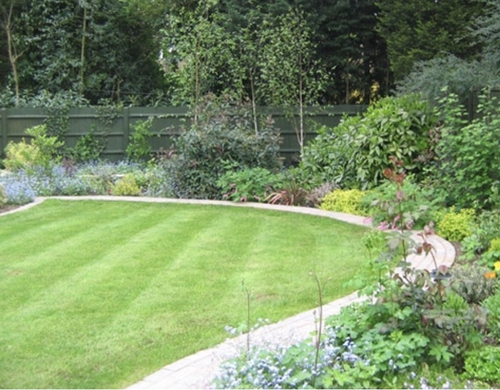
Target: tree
<point x="199" y="55"/>
<point x="7" y="22"/>
<point x="486" y="27"/>
<point x="94" y="47"/>
<point x="441" y="76"/>
<point x="345" y="37"/>
<point x="351" y="49"/>
<point x="424" y="29"/>
<point x="292" y="77"/>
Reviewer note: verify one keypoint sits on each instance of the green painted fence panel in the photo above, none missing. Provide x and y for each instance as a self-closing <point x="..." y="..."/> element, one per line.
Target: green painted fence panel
<point x="168" y="123"/>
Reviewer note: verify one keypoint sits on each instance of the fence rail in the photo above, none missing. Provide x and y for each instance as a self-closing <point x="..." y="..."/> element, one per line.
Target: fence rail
<point x="168" y="122"/>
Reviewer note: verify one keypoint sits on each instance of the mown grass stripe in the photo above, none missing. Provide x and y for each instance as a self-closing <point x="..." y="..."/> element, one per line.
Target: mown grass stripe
<point x="127" y="306"/>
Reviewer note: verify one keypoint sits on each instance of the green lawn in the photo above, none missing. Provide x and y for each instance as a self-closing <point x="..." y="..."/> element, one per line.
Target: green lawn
<point x="101" y="294"/>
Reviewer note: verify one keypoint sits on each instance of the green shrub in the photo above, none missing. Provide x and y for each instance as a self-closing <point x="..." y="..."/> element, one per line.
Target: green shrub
<point x="492" y="305"/>
<point x="416" y="203"/>
<point x="469" y="282"/>
<point x="494" y="245"/>
<point x="138" y="148"/>
<point x="88" y="148"/>
<point x="467" y="153"/>
<point x="42" y="151"/>
<point x="326" y="158"/>
<point x="356" y="152"/>
<point x="453" y="225"/>
<point x="345" y="201"/>
<point x="19" y="155"/>
<point x="482" y="364"/>
<point x="248" y="185"/>
<point x="126" y="186"/>
<point x="220" y="136"/>
<point x="486" y="229"/>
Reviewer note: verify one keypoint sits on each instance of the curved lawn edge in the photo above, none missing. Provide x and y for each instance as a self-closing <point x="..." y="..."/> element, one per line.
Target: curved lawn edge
<point x="353" y="219"/>
<point x="444" y="251"/>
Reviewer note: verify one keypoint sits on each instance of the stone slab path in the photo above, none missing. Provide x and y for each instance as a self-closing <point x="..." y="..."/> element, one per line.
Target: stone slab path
<point x="198" y="370"/>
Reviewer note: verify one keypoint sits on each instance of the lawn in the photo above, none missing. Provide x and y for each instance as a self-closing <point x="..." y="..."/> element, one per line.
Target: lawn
<point x="101" y="294"/>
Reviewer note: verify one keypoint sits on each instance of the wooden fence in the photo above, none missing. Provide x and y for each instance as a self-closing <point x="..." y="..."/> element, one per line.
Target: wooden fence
<point x="168" y="122"/>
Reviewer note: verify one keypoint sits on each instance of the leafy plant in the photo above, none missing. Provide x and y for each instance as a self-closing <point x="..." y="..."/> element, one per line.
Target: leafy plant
<point x="467" y="158"/>
<point x="19" y="155"/>
<point x="455" y="225"/>
<point x="138" y="147"/>
<point x="415" y="206"/>
<point x="248" y="185"/>
<point x="485" y="229"/>
<point x="344" y="201"/>
<point x="355" y="153"/>
<point x="42" y="151"/>
<point x="469" y="282"/>
<point x="221" y="134"/>
<point x="88" y="147"/>
<point x="126" y="186"/>
<point x="482" y="364"/>
<point x="289" y="192"/>
<point x="492" y="305"/>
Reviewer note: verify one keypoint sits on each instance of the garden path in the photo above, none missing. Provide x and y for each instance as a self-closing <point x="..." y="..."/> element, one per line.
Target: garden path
<point x="197" y="371"/>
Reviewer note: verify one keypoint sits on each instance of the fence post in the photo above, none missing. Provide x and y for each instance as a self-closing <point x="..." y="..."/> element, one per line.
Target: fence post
<point x="126" y="129"/>
<point x="4" y="140"/>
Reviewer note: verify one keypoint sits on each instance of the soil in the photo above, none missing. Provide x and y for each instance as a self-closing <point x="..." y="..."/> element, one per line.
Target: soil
<point x="8" y="207"/>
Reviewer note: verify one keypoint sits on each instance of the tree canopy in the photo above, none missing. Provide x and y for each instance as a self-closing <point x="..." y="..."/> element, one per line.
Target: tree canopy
<point x="173" y="51"/>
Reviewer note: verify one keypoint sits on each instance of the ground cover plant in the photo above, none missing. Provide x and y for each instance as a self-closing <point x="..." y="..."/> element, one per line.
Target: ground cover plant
<point x="100" y="294"/>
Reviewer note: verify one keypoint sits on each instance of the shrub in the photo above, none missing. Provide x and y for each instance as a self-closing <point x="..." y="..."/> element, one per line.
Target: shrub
<point x="42" y="151"/>
<point x="219" y="136"/>
<point x="345" y="201"/>
<point x="467" y="153"/>
<point x="126" y="186"/>
<point x="156" y="182"/>
<point x="138" y="148"/>
<point x="486" y="229"/>
<point x="469" y="282"/>
<point x="19" y="155"/>
<point x="355" y="153"/>
<point x="415" y="204"/>
<point x="482" y="364"/>
<point x="326" y="158"/>
<point x="88" y="148"/>
<point x="248" y="185"/>
<point x="492" y="305"/>
<point x="453" y="225"/>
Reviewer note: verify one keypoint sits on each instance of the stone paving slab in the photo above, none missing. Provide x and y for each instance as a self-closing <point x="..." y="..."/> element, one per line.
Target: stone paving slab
<point x="198" y="370"/>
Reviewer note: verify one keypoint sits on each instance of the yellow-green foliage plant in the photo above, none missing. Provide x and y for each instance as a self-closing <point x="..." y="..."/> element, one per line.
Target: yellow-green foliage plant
<point x="41" y="151"/>
<point x="455" y="225"/>
<point x="344" y="201"/>
<point x="19" y="155"/>
<point x="127" y="186"/>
